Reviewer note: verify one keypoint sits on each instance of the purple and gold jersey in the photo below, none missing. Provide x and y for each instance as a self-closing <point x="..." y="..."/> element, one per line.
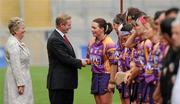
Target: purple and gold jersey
<point x="101" y="55"/>
<point x="118" y="51"/>
<point x="143" y="52"/>
<point x="140" y="61"/>
<point x="124" y="60"/>
<point x="122" y="57"/>
<point x="159" y="52"/>
<point x="154" y="62"/>
<point x="139" y="57"/>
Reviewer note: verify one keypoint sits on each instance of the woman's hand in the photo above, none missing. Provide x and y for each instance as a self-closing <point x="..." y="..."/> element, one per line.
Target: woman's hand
<point x="111" y="86"/>
<point x="128" y="78"/>
<point x="157" y="94"/>
<point x="21" y="90"/>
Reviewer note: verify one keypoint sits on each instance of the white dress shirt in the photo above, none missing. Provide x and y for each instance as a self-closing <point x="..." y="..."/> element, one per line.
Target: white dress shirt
<point x="62" y="34"/>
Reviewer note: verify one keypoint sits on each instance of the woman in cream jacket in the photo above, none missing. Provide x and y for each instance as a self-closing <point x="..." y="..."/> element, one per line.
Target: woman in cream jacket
<point x="18" y="85"/>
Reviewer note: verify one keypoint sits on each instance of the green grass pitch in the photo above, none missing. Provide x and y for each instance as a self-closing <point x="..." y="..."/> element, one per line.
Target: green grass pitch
<point x="39" y="76"/>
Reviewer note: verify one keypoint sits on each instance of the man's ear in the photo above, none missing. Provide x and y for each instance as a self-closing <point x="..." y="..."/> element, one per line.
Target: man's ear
<point x="60" y="25"/>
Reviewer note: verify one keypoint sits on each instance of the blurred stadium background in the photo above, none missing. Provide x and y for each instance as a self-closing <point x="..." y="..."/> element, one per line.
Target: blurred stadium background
<point x="39" y="16"/>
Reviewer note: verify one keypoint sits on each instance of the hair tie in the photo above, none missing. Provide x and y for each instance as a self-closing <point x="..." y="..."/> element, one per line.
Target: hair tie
<point x="142" y="20"/>
<point x="106" y="28"/>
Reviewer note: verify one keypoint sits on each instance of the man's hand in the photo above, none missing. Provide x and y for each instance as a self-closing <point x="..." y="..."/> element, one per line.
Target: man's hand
<point x="84" y="62"/>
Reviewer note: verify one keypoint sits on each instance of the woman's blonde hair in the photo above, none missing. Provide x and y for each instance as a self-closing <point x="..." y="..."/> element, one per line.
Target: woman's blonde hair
<point x="14" y="24"/>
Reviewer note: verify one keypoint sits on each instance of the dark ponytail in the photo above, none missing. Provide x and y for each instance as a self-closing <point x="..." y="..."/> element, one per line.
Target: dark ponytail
<point x="108" y="29"/>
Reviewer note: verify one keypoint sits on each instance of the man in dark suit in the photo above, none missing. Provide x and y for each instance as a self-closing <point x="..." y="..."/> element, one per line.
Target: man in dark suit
<point x="62" y="76"/>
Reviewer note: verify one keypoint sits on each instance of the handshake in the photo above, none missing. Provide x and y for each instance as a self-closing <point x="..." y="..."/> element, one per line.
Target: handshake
<point x="85" y="62"/>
